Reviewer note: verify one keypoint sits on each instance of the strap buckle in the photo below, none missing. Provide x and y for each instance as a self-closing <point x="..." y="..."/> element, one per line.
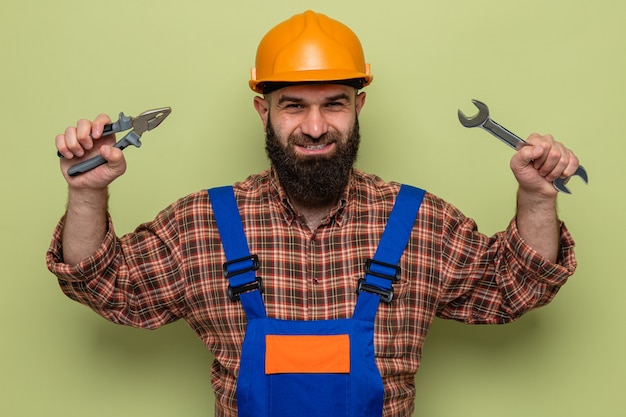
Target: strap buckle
<point x="383" y="270"/>
<point x="385" y="295"/>
<point x="253" y="265"/>
<point x="395" y="269"/>
<point x="233" y="292"/>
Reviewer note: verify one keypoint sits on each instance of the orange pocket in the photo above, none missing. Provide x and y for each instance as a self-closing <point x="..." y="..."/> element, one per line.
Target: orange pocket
<point x="307" y="354"/>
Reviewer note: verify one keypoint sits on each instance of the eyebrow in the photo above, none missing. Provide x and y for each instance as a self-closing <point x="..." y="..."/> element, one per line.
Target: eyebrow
<point x="283" y="99"/>
<point x="292" y="99"/>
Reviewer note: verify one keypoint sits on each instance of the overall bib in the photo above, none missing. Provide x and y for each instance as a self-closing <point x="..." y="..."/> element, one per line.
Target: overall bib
<point x="323" y="368"/>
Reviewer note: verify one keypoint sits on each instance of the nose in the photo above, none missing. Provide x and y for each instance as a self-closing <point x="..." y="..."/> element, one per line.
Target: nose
<point x="314" y="124"/>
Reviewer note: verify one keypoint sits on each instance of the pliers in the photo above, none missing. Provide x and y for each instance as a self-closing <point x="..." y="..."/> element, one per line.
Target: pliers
<point x="147" y="120"/>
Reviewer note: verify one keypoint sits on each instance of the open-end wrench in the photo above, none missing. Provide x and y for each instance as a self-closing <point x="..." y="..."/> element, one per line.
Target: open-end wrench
<point x="483" y="120"/>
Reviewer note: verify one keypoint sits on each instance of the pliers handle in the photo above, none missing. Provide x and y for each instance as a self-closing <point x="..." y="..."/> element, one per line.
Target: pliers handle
<point x="147" y="120"/>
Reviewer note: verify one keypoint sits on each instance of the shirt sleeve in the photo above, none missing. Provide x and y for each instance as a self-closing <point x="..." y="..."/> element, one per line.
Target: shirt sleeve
<point x="91" y="266"/>
<point x="494" y="280"/>
<point x="134" y="280"/>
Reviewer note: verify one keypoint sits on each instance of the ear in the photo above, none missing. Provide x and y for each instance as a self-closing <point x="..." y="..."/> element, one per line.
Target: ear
<point x="360" y="102"/>
<point x="262" y="107"/>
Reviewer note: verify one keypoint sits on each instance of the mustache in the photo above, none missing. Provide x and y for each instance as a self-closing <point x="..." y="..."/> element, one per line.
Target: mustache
<point x="300" y="139"/>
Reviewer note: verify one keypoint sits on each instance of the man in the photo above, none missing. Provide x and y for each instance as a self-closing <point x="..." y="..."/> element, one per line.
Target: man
<point x="314" y="222"/>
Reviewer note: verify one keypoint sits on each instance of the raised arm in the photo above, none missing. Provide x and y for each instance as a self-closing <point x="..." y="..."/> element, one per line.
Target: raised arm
<point x="535" y="168"/>
<point x="86" y="216"/>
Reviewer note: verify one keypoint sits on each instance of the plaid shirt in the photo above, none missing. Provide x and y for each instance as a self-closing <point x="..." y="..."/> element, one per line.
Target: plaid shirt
<point x="171" y="268"/>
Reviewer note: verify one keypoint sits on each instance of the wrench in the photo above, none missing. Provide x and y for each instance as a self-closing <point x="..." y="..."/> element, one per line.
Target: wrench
<point x="483" y="120"/>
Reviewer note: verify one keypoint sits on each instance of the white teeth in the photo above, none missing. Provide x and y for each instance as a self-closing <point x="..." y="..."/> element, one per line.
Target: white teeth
<point x="315" y="148"/>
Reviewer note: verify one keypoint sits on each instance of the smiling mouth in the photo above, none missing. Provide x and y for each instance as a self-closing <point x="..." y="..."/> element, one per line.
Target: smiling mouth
<point x="317" y="149"/>
<point x="314" y="145"/>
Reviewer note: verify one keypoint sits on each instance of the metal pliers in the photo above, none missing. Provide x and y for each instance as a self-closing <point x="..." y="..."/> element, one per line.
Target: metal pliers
<point x="147" y="120"/>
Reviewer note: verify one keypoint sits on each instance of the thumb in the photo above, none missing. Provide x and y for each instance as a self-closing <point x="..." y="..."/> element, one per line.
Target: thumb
<point x="527" y="155"/>
<point x="115" y="159"/>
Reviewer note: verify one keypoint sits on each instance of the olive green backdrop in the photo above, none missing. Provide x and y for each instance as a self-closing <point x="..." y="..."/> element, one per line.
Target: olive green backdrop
<point x="553" y="66"/>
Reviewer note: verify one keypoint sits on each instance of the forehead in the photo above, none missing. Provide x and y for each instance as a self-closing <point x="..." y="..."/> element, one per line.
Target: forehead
<point x="313" y="92"/>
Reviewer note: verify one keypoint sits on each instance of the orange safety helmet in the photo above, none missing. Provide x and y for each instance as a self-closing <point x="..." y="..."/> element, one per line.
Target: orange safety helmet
<point x="309" y="47"/>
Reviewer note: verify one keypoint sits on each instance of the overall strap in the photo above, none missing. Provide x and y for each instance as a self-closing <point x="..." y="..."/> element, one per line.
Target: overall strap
<point x="240" y="266"/>
<point x="383" y="270"/>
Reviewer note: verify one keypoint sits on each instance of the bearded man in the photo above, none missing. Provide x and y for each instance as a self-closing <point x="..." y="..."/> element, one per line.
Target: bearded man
<point x="313" y="283"/>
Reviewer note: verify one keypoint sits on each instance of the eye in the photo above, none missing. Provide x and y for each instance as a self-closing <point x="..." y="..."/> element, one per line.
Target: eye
<point x="292" y="107"/>
<point x="335" y="105"/>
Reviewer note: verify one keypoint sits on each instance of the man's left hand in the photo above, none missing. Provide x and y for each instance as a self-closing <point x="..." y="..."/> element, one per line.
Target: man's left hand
<point x="535" y="167"/>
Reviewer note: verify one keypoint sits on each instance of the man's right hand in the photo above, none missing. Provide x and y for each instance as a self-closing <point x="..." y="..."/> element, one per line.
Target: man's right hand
<point x="86" y="215"/>
<point x="85" y="141"/>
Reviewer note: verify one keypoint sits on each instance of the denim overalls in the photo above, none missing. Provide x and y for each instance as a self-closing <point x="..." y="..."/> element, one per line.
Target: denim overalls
<point x="320" y="368"/>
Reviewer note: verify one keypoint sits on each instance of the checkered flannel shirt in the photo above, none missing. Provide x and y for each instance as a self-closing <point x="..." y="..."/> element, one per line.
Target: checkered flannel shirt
<point x="171" y="268"/>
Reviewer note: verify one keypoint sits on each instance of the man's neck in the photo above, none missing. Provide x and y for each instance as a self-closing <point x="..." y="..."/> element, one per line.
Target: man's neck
<point x="313" y="214"/>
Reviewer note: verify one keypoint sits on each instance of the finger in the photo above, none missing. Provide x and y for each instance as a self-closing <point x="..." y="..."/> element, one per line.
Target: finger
<point x="572" y="165"/>
<point x="115" y="159"/>
<point x="540" y="145"/>
<point x="536" y="139"/>
<point x="548" y="158"/>
<point x="548" y="154"/>
<point x="555" y="166"/>
<point x="62" y="147"/>
<point x="530" y="154"/>
<point x="71" y="144"/>
<point x="98" y="125"/>
<point x="83" y="135"/>
<point x="556" y="161"/>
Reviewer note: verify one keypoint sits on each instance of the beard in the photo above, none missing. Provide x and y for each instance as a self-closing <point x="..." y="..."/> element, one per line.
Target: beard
<point x="319" y="179"/>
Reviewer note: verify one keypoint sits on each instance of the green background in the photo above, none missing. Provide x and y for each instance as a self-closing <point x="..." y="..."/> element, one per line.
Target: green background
<point x="553" y="66"/>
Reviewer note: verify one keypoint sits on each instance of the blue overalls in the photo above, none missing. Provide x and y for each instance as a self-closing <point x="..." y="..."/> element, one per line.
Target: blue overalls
<point x="320" y="368"/>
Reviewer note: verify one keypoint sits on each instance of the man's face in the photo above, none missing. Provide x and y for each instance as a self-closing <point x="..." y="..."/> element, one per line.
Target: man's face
<point x="312" y="138"/>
